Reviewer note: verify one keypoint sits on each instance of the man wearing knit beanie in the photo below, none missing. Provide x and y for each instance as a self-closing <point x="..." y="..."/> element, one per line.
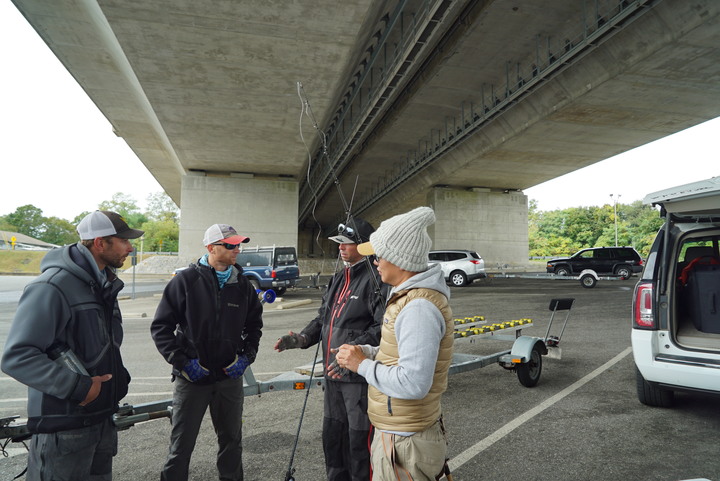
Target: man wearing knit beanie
<point x="351" y="313"/>
<point x="408" y="372"/>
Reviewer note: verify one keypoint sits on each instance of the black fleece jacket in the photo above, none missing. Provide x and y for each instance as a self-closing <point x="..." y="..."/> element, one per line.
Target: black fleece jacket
<point x="195" y="319"/>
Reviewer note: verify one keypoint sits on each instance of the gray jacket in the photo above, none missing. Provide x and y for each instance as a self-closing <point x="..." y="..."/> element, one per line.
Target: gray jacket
<point x="69" y="304"/>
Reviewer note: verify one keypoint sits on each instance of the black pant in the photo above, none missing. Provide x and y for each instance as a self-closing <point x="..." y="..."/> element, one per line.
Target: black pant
<point x="346" y="430"/>
<point x="190" y="401"/>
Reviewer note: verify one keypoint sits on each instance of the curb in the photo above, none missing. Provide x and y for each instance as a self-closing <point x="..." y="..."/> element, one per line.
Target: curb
<point x="292" y="304"/>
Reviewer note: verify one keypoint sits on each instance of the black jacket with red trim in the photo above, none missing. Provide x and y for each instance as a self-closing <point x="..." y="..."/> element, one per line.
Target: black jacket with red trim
<point x="351" y="313"/>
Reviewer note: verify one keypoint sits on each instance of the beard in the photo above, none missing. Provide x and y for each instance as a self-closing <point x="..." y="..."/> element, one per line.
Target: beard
<point x="112" y="259"/>
<point x="115" y="261"/>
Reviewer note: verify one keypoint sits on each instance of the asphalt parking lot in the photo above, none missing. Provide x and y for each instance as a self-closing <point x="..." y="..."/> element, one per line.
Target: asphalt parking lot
<point x="581" y="422"/>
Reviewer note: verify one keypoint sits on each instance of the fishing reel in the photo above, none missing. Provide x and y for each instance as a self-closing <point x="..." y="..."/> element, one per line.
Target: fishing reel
<point x="268" y="296"/>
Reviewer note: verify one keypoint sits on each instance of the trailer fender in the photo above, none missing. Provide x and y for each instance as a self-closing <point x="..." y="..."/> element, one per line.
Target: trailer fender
<point x="590" y="272"/>
<point x="522" y="350"/>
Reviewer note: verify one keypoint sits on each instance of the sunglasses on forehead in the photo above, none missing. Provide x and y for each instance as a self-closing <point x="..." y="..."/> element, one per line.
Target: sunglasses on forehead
<point x="346" y="229"/>
<point x="229" y="247"/>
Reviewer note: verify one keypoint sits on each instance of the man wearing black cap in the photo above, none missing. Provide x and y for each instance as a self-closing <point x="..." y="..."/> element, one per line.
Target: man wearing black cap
<point x="208" y="327"/>
<point x="64" y="344"/>
<point x="350" y="313"/>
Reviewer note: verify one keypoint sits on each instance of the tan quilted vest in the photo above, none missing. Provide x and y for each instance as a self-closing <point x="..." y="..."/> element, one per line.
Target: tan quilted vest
<point x="411" y="415"/>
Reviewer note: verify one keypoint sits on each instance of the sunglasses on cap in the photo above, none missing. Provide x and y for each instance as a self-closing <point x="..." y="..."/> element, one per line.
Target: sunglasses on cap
<point x="346" y="229"/>
<point x="229" y="247"/>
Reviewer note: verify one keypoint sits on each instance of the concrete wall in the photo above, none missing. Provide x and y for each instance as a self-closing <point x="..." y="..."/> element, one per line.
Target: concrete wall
<point x="495" y="224"/>
<point x="264" y="210"/>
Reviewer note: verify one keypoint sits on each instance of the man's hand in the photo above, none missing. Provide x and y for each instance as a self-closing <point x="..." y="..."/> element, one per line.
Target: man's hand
<point x="335" y="371"/>
<point x="194" y="371"/>
<point x="95" y="388"/>
<point x="291" y="341"/>
<point x="236" y="369"/>
<point x="349" y="356"/>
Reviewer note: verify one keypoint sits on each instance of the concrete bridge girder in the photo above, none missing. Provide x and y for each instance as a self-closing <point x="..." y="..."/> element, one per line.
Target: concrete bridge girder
<point x="208" y="89"/>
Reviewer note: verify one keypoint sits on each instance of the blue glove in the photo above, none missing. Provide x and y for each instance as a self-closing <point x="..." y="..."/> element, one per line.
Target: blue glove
<point x="236" y="369"/>
<point x="194" y="371"/>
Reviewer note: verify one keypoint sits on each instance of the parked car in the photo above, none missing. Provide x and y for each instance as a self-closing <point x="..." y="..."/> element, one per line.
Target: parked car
<point x="268" y="267"/>
<point x="460" y="267"/>
<point x="676" y="304"/>
<point x="619" y="261"/>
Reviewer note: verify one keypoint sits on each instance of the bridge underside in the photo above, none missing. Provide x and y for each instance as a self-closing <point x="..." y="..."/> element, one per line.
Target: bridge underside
<point x="414" y="98"/>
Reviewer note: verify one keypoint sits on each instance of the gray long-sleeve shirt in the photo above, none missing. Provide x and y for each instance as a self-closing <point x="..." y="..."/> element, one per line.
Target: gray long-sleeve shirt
<point x="418" y="328"/>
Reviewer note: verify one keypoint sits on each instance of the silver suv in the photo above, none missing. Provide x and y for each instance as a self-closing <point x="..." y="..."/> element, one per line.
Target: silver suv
<point x="676" y="305"/>
<point x="460" y="267"/>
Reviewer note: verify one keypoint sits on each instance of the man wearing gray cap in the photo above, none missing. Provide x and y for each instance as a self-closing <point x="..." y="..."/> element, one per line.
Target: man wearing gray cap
<point x="208" y="327"/>
<point x="408" y="372"/>
<point x="351" y="312"/>
<point x="64" y="344"/>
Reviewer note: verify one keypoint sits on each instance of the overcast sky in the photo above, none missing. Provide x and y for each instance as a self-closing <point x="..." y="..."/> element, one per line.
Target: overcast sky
<point x="59" y="152"/>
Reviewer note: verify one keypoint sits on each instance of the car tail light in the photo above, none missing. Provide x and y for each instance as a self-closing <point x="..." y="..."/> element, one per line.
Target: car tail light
<point x="474" y="261"/>
<point x="643" y="315"/>
<point x="273" y="274"/>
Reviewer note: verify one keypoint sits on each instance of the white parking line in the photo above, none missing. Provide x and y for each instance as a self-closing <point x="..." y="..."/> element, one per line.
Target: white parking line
<point x="482" y="445"/>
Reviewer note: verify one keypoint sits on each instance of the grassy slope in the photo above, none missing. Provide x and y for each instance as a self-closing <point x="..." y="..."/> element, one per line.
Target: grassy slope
<point x="28" y="262"/>
<point x="20" y="262"/>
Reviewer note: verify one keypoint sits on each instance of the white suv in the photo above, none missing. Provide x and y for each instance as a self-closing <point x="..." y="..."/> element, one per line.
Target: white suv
<point x="676" y="306"/>
<point x="460" y="267"/>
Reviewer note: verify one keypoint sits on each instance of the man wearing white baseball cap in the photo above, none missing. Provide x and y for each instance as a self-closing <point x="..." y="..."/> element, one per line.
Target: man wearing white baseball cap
<point x="408" y="372"/>
<point x="208" y="327"/>
<point x="64" y="343"/>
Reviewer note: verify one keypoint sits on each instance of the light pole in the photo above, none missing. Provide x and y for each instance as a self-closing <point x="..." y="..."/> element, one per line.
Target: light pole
<point x="615" y="203"/>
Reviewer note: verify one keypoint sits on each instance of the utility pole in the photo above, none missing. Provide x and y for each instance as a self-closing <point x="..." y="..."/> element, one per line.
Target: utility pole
<point x="615" y="203"/>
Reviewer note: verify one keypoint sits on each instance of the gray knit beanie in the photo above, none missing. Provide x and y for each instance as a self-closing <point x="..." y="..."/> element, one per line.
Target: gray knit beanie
<point x="403" y="240"/>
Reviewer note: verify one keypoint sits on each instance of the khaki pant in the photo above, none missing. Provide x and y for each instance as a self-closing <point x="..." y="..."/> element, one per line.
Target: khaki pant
<point x="419" y="457"/>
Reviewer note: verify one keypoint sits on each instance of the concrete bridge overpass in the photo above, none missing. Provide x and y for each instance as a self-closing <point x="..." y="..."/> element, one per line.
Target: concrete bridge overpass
<point x="460" y="104"/>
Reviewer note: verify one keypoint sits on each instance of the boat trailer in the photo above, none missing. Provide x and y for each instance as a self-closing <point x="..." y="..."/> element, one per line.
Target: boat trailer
<point x="588" y="277"/>
<point x="525" y="358"/>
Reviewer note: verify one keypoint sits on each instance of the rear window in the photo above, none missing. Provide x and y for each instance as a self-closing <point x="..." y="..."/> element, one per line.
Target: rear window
<point x="285" y="257"/>
<point x="248" y="259"/>
<point x="625" y="254"/>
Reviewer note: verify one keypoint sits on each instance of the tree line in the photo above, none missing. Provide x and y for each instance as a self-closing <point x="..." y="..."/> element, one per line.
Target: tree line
<point x="160" y="221"/>
<point x="551" y="233"/>
<point x="565" y="231"/>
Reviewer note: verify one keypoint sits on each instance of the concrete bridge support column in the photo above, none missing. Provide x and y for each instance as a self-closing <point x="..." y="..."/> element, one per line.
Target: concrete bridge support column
<point x="493" y="223"/>
<point x="266" y="210"/>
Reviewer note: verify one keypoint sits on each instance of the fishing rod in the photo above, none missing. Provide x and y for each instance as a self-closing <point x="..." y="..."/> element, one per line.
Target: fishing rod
<point x="350" y="219"/>
<point x="289" y="474"/>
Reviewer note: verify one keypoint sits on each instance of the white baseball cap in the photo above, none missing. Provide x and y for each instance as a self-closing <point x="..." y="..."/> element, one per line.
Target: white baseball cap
<point x="102" y="223"/>
<point x="223" y="233"/>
